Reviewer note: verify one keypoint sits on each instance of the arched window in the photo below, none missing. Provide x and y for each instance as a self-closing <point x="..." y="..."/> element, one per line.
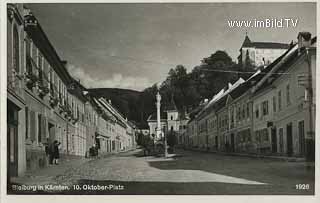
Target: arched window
<point x="16" y="54"/>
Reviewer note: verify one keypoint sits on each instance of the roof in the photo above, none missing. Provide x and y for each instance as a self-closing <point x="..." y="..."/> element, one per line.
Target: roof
<point x="40" y="39"/>
<point x="264" y="45"/>
<point x="171" y="106"/>
<point x="284" y="67"/>
<point x="222" y="94"/>
<point x="269" y="45"/>
<point x="246" y="42"/>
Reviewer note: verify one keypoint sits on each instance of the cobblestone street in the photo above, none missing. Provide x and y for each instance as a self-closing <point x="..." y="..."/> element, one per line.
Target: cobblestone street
<point x="186" y="173"/>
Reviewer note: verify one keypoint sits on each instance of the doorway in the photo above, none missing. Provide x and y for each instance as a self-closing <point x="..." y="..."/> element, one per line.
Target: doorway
<point x="274" y="140"/>
<point x="289" y="140"/>
<point x="301" y="138"/>
<point x="51" y="130"/>
<point x="12" y="139"/>
<point x="232" y="143"/>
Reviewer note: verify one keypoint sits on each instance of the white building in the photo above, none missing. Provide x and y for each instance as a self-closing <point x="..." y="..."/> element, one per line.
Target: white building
<point x="260" y="53"/>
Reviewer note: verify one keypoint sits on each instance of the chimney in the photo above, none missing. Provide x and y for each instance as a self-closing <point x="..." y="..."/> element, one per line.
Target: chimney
<point x="109" y="101"/>
<point x="304" y="39"/>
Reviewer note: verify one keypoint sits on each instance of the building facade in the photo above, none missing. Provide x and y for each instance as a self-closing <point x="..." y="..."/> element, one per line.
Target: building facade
<point x="272" y="112"/>
<point x="171" y="120"/>
<point x="260" y="53"/>
<point x="45" y="103"/>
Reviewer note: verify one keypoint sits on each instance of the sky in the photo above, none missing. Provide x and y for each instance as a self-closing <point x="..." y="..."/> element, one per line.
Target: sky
<point x="133" y="46"/>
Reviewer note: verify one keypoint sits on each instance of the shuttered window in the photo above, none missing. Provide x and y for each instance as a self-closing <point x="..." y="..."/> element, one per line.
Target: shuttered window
<point x="39" y="128"/>
<point x="32" y="126"/>
<point x="43" y="129"/>
<point x="27" y="122"/>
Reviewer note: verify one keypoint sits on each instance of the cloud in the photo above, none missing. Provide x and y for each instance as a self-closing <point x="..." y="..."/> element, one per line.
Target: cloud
<point x="117" y="80"/>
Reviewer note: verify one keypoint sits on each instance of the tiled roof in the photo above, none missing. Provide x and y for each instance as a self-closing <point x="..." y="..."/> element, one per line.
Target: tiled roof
<point x="269" y="45"/>
<point x="264" y="45"/>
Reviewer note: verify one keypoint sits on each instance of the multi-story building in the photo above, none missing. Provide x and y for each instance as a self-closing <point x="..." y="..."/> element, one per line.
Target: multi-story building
<point x="213" y="120"/>
<point x="16" y="104"/>
<point x="50" y="110"/>
<point x="41" y="108"/>
<point x="91" y="119"/>
<point x="131" y="132"/>
<point x="182" y="133"/>
<point x="45" y="103"/>
<point x="284" y="120"/>
<point x="192" y="133"/>
<point x="272" y="112"/>
<point x="260" y="53"/>
<point x="114" y="132"/>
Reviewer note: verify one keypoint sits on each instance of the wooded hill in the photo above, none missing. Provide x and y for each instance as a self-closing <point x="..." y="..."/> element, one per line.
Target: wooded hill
<point x="187" y="88"/>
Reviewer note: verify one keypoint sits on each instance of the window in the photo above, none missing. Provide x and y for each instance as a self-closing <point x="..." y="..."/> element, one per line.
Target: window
<point x="28" y="56"/>
<point x="39" y="128"/>
<point x="301" y="137"/>
<point x="265" y="108"/>
<point x="16" y="50"/>
<point x="265" y="134"/>
<point x="257" y="111"/>
<point x="232" y="119"/>
<point x="171" y="117"/>
<point x="27" y="122"/>
<point x="274" y="104"/>
<point x="40" y="60"/>
<point x="248" y="110"/>
<point x="288" y="94"/>
<point x="59" y="89"/>
<point x="243" y="111"/>
<point x="281" y="139"/>
<point x="279" y="100"/>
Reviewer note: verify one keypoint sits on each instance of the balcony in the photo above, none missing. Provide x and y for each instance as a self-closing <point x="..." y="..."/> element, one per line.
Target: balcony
<point x="42" y="89"/>
<point x="53" y="101"/>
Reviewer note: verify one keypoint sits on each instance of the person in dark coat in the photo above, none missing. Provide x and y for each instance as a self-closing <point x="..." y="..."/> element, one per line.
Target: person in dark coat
<point x="47" y="151"/>
<point x="56" y="155"/>
<point x="50" y="152"/>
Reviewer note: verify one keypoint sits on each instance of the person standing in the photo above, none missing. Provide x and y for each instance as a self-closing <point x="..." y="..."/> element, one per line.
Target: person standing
<point x="56" y="155"/>
<point x="47" y="151"/>
<point x="50" y="152"/>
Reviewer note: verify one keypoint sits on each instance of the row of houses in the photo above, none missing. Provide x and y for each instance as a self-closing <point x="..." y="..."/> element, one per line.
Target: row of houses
<point x="272" y="112"/>
<point x="44" y="102"/>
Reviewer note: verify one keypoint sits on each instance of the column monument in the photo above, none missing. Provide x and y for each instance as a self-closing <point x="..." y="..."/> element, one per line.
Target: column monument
<point x="158" y="104"/>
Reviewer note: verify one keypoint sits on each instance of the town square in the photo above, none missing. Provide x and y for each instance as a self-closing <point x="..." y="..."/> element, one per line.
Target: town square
<point x="161" y="99"/>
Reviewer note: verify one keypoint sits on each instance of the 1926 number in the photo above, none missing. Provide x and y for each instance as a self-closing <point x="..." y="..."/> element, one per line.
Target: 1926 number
<point x="302" y="186"/>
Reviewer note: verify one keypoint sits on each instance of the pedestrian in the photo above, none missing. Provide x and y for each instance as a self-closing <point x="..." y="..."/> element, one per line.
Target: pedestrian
<point x="56" y="152"/>
<point x="47" y="151"/>
<point x="50" y="152"/>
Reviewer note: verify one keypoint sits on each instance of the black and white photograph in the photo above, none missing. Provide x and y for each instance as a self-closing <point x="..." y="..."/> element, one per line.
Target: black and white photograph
<point x="162" y="98"/>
